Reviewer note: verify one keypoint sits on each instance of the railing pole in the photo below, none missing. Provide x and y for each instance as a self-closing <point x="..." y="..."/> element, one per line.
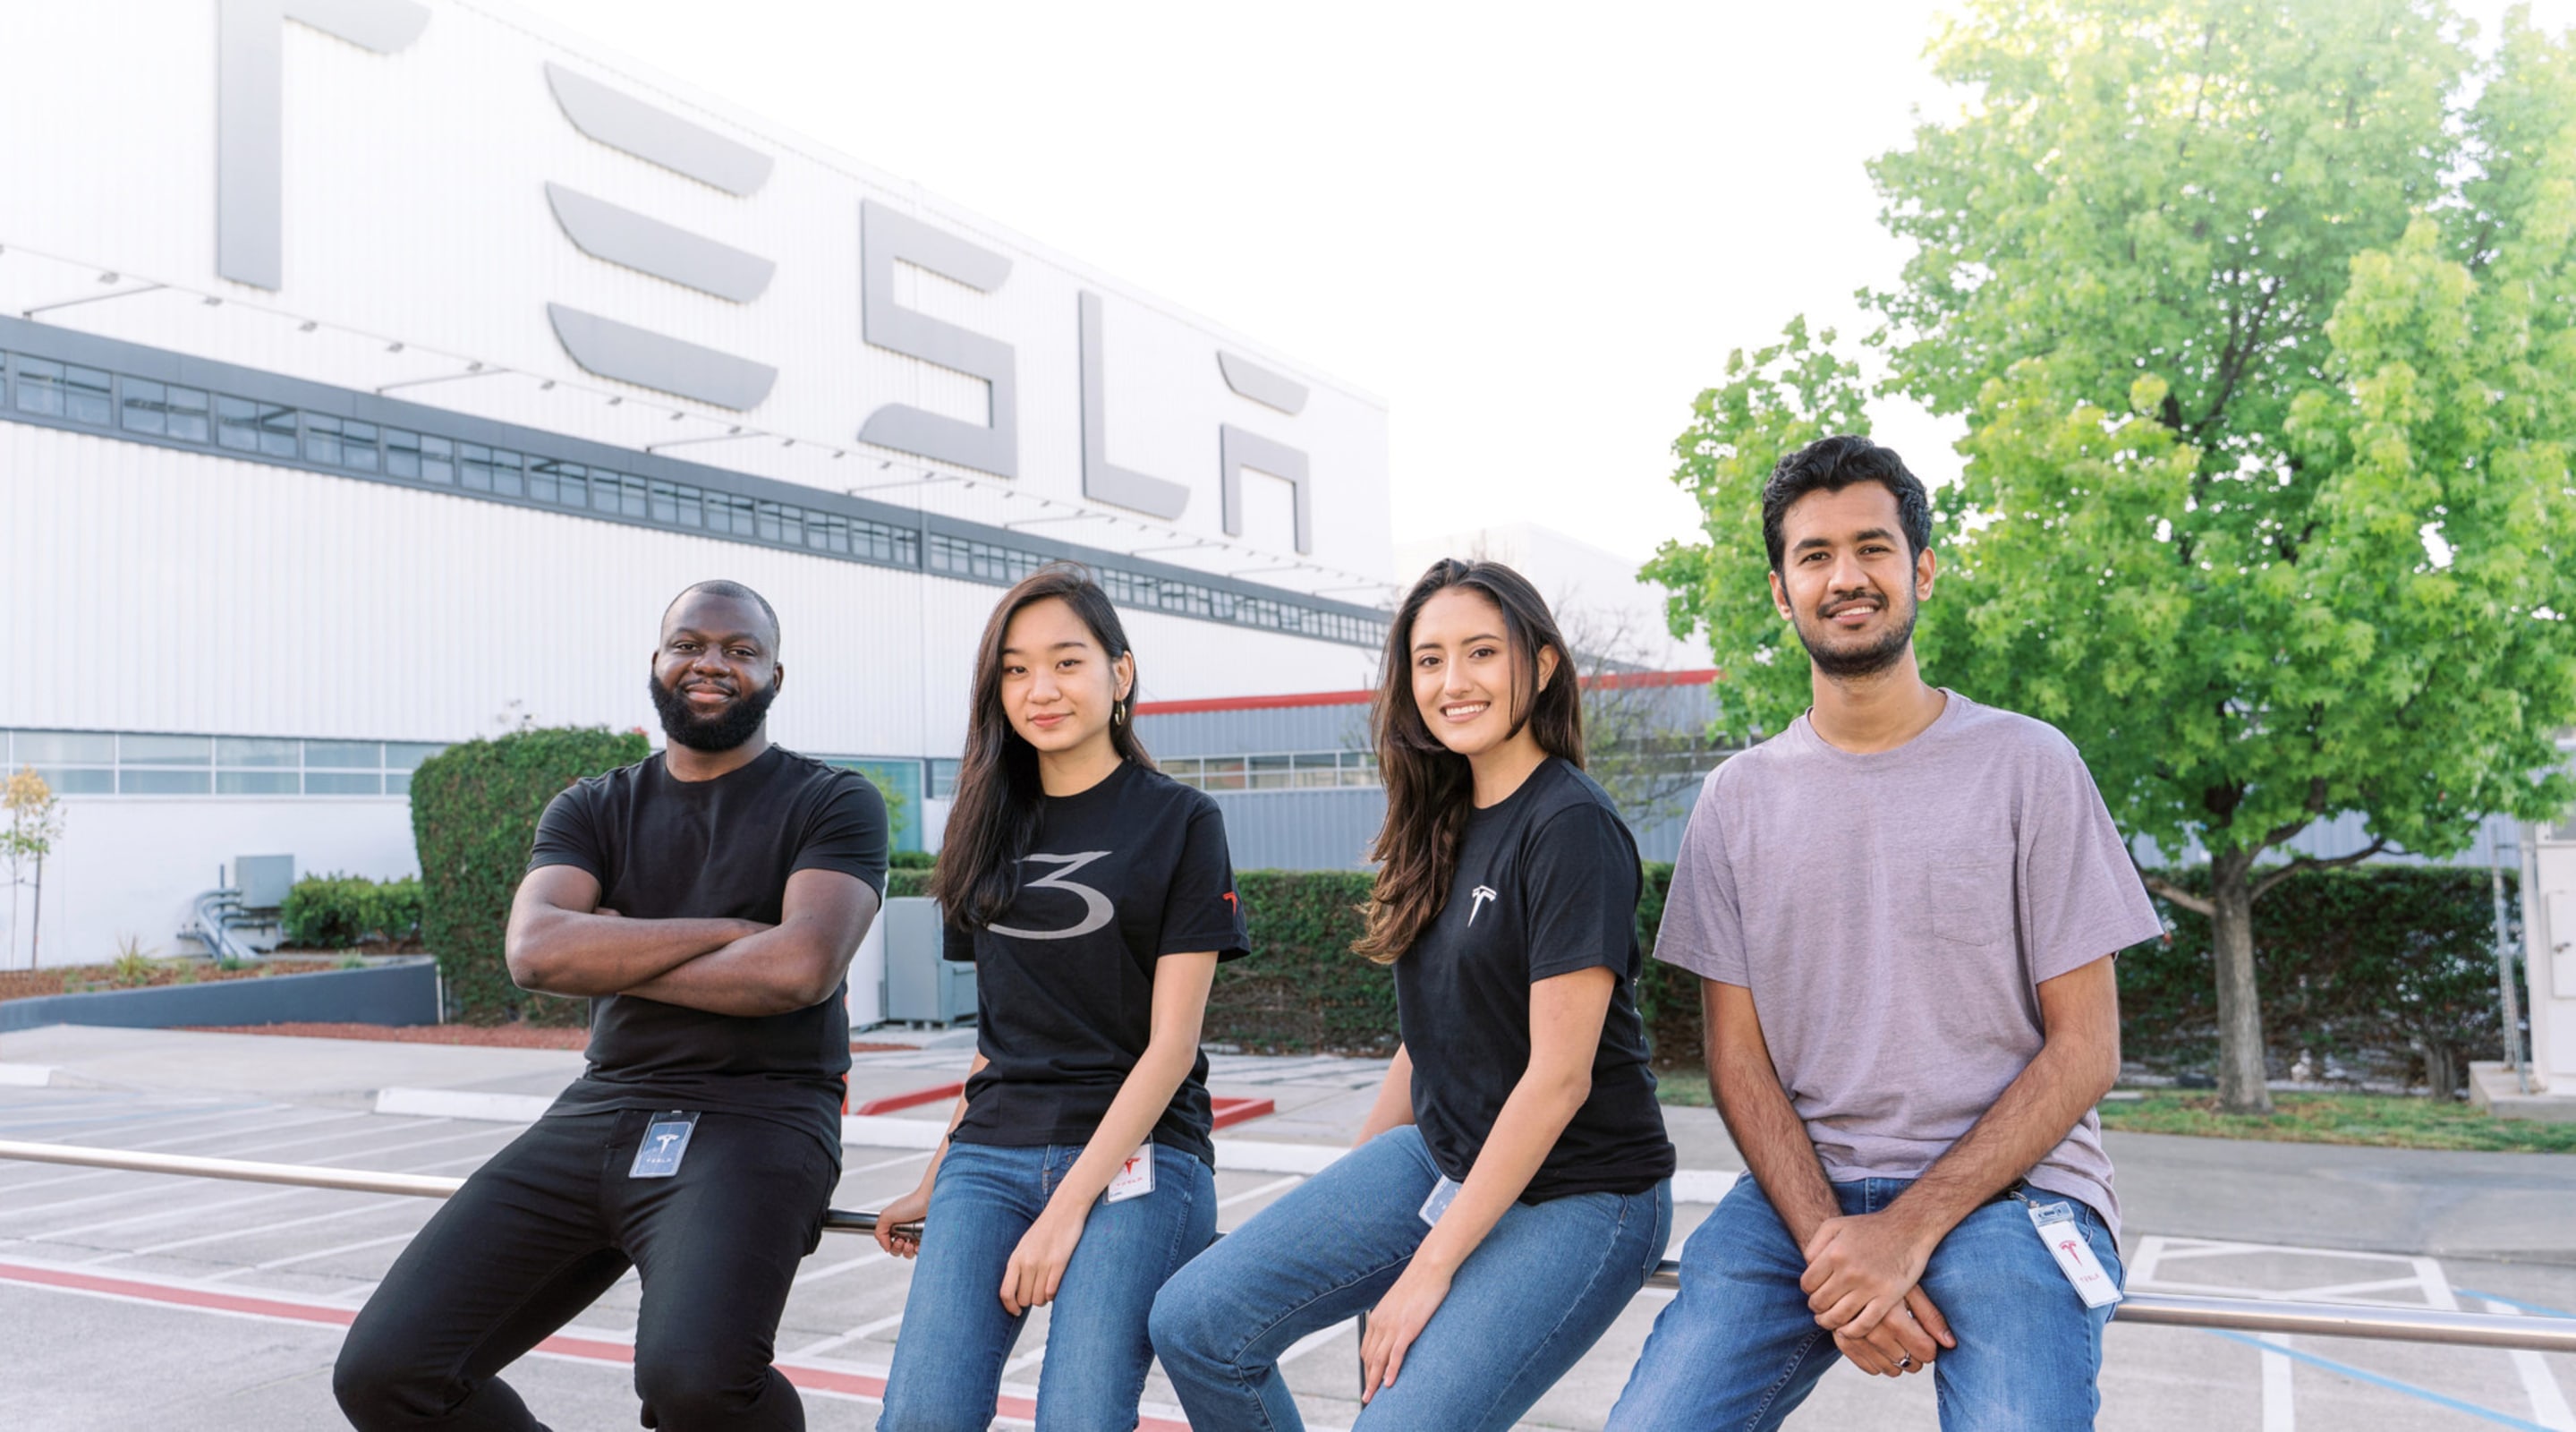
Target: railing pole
<point x="2252" y="1315"/>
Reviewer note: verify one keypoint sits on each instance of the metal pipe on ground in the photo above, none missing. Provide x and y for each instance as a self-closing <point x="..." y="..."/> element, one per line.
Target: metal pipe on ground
<point x="2250" y="1315"/>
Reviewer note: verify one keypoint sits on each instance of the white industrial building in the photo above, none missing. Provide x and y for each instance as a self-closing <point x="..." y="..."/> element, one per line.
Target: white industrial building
<point x="375" y="371"/>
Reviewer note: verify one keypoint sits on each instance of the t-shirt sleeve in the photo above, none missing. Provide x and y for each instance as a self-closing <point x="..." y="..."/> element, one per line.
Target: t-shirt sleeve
<point x="568" y="833"/>
<point x="1580" y="883"/>
<point x="1200" y="908"/>
<point x="1703" y="927"/>
<point x="2081" y="898"/>
<point x="847" y="833"/>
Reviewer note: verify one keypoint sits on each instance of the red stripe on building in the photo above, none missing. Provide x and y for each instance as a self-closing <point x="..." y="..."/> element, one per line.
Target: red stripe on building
<point x="1615" y="681"/>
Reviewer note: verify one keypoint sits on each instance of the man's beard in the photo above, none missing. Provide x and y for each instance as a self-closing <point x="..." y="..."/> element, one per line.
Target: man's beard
<point x="724" y="731"/>
<point x="1845" y="663"/>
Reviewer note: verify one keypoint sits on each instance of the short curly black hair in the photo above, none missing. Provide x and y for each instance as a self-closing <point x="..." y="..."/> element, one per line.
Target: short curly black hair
<point x="1831" y="464"/>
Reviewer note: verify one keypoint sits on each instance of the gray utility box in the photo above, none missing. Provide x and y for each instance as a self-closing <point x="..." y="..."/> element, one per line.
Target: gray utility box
<point x="920" y="987"/>
<point x="263" y="880"/>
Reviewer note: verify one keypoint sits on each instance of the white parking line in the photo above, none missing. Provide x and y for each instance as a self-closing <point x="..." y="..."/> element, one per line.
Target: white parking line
<point x="161" y="1183"/>
<point x="2548" y="1400"/>
<point x="814" y="1349"/>
<point x="198" y="1138"/>
<point x="815" y="1275"/>
<point x="294" y="1258"/>
<point x="354" y="1211"/>
<point x="186" y="1210"/>
<point x="2280" y="1410"/>
<point x="1252" y="1193"/>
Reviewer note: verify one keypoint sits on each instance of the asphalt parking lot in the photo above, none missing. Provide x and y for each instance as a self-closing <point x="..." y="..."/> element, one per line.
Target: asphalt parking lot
<point x="140" y="1300"/>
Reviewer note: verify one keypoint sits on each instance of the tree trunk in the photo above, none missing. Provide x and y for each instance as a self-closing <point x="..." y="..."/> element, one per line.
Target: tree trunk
<point x="36" y="923"/>
<point x="2441" y="1071"/>
<point x="2241" y="1072"/>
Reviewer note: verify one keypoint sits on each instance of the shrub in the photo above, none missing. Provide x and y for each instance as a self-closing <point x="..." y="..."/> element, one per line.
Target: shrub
<point x="474" y="810"/>
<point x="333" y="912"/>
<point x="911" y="860"/>
<point x="2387" y="969"/>
<point x="1303" y="988"/>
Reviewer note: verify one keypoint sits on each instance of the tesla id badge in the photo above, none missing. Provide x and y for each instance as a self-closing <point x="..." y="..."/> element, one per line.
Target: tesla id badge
<point x="665" y="1140"/>
<point x="1135" y="1177"/>
<point x="2065" y="1240"/>
<point x="1438" y="1203"/>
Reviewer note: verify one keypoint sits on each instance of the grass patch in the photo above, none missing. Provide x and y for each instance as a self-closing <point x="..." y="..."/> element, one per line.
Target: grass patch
<point x="2387" y="1121"/>
<point x="1684" y="1088"/>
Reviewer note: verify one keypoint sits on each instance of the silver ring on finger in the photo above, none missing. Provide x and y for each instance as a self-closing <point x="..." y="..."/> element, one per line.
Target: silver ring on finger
<point x="1905" y="1362"/>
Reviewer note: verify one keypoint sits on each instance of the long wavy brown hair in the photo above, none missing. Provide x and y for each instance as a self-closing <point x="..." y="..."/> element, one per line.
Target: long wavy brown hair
<point x="995" y="813"/>
<point x="1429" y="788"/>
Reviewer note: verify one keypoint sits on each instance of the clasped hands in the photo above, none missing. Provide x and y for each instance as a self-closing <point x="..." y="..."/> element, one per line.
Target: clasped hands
<point x="1863" y="1284"/>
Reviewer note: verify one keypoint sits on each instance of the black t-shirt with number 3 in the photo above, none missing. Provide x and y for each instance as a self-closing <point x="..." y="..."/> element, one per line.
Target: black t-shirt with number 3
<point x="1118" y="876"/>
<point x="1547" y="884"/>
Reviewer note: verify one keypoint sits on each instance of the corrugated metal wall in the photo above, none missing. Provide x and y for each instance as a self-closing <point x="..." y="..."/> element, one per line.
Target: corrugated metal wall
<point x="176" y="591"/>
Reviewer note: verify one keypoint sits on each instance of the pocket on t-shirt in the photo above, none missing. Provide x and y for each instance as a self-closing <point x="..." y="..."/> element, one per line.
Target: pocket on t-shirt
<point x="1972" y="895"/>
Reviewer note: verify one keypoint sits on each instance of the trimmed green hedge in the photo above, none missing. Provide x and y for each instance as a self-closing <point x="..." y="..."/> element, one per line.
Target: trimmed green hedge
<point x="333" y="912"/>
<point x="2387" y="969"/>
<point x="474" y="811"/>
<point x="1303" y="988"/>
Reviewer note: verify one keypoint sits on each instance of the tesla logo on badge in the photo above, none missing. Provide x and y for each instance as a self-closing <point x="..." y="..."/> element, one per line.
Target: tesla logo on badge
<point x="1482" y="893"/>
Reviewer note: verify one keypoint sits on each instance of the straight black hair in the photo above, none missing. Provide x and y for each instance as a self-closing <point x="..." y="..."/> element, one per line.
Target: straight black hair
<point x="995" y="813"/>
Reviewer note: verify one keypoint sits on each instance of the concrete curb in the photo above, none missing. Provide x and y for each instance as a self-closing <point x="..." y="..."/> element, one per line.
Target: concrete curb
<point x="879" y="1131"/>
<point x="25" y="1076"/>
<point x="400" y="993"/>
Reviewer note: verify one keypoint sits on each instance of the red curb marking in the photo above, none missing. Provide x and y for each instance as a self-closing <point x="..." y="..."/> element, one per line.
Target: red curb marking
<point x="820" y="1379"/>
<point x="1234" y="1111"/>
<point x="892" y="1102"/>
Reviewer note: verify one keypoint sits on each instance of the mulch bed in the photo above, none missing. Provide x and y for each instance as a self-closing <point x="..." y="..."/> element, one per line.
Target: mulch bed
<point x="75" y="979"/>
<point x="492" y="1036"/>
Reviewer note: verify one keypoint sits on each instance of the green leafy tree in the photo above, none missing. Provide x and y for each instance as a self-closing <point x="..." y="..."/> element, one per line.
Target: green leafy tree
<point x="2262" y="321"/>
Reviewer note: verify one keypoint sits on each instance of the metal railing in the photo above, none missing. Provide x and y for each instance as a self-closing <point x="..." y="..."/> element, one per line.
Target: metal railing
<point x="2248" y="1315"/>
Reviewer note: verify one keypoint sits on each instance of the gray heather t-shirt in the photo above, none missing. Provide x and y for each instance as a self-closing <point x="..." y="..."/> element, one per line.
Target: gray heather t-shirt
<point x="1894" y="914"/>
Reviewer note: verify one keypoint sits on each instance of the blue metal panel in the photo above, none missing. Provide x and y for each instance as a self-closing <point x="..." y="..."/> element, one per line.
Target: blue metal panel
<point x="1270" y="728"/>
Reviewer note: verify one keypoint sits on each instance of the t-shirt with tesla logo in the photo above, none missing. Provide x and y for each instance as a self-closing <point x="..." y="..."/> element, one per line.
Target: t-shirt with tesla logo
<point x="1117" y="877"/>
<point x="1547" y="884"/>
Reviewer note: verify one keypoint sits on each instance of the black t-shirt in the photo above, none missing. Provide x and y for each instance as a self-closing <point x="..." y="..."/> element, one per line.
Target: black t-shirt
<point x="1547" y="884"/>
<point x="663" y="848"/>
<point x="1117" y="877"/>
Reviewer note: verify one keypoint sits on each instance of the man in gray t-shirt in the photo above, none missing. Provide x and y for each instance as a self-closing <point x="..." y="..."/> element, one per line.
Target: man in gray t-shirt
<point x="1902" y="911"/>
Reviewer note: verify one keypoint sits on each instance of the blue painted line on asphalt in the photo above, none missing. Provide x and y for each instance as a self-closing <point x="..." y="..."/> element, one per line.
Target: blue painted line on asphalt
<point x="2516" y="1303"/>
<point x="2438" y="1399"/>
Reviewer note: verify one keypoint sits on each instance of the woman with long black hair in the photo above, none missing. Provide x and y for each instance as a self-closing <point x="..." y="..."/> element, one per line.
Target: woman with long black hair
<point x="1095" y="896"/>
<point x="1512" y="1187"/>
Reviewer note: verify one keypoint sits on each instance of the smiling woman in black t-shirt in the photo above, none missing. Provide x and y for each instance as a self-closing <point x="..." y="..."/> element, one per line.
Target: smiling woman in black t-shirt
<point x="1095" y="896"/>
<point x="1512" y="1187"/>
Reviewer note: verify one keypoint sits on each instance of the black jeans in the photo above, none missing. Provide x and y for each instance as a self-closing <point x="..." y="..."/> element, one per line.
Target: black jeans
<point x="543" y="1229"/>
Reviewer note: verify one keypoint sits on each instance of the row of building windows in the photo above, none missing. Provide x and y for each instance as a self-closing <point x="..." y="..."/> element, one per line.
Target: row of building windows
<point x="106" y="763"/>
<point x="129" y="763"/>
<point x="1296" y="770"/>
<point x="170" y="412"/>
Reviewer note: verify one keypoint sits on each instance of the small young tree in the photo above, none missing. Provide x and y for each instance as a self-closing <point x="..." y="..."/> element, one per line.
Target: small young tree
<point x="34" y="822"/>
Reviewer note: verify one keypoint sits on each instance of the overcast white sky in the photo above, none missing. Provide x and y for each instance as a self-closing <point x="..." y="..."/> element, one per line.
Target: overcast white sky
<point x="1535" y="234"/>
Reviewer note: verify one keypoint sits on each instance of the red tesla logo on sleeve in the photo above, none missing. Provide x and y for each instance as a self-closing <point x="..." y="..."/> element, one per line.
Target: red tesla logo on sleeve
<point x="1230" y="902"/>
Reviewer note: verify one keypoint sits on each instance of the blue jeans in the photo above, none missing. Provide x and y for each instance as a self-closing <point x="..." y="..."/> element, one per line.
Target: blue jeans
<point x="948" y="1357"/>
<point x="1532" y="1298"/>
<point x="1738" y="1350"/>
